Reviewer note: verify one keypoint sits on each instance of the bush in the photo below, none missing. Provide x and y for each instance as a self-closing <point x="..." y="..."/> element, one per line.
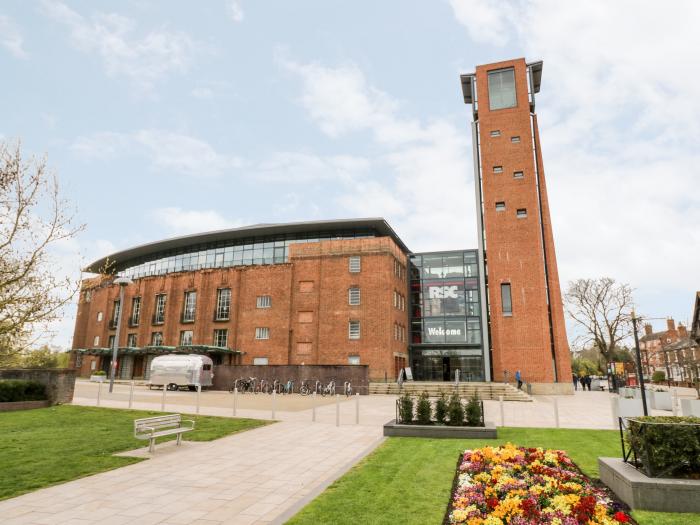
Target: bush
<point x="423" y="410"/>
<point x="658" y="376"/>
<point x="406" y="409"/>
<point x="669" y="447"/>
<point x="441" y="409"/>
<point x="21" y="390"/>
<point x="455" y="410"/>
<point x="98" y="373"/>
<point x="473" y="411"/>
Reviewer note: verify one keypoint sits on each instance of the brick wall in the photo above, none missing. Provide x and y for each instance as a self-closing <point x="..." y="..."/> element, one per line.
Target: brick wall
<point x="59" y="382"/>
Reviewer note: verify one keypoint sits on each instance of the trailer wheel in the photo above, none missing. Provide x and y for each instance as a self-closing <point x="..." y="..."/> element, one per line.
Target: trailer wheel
<point x="173" y="387"/>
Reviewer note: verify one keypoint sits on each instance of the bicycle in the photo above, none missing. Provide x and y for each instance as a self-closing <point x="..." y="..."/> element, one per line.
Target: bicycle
<point x="304" y="389"/>
<point x="329" y="389"/>
<point x="347" y="388"/>
<point x="289" y="387"/>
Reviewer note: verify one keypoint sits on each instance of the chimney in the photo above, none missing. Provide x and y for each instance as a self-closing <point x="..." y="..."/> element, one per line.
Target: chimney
<point x="671" y="324"/>
<point x="647" y="329"/>
<point x="682" y="331"/>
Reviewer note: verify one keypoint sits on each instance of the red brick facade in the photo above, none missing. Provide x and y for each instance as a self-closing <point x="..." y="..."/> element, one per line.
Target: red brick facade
<point x="519" y="239"/>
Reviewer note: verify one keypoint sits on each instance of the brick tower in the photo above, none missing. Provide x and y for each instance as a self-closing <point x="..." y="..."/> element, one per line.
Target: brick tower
<point x="526" y="315"/>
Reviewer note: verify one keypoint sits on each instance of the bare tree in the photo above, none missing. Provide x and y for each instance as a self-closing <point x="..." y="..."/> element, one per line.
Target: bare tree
<point x="603" y="308"/>
<point x="33" y="219"/>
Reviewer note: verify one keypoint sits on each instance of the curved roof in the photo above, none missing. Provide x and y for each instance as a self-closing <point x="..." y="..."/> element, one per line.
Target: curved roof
<point x="246" y="232"/>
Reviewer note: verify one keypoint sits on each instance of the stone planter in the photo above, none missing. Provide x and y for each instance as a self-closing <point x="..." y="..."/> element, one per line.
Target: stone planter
<point x="625" y="407"/>
<point x="690" y="407"/>
<point x="394" y="429"/>
<point x="22" y="405"/>
<point x="662" y="401"/>
<point x="98" y="379"/>
<point x="649" y="393"/>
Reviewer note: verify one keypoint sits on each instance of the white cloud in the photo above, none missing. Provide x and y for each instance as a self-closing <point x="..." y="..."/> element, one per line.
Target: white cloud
<point x="11" y="37"/>
<point x="235" y="11"/>
<point x="143" y="60"/>
<point x="296" y="167"/>
<point x="488" y="21"/>
<point x="181" y="222"/>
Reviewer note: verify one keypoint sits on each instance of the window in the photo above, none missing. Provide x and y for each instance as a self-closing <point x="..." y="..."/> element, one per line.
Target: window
<point x="110" y="341"/>
<point x="521" y="213"/>
<point x="99" y="317"/>
<point x="223" y="304"/>
<point x="262" y="333"/>
<point x="354" y="330"/>
<point x="186" y="338"/>
<point x="502" y="89"/>
<point x="353" y="359"/>
<point x="115" y="312"/>
<point x="500" y="206"/>
<point x="159" y="315"/>
<point x="221" y="338"/>
<point x="496" y="133"/>
<point x="189" y="307"/>
<point x="518" y="175"/>
<point x="96" y="341"/>
<point x="506" y="301"/>
<point x="515" y="140"/>
<point x="135" y="311"/>
<point x="88" y="296"/>
<point x="354" y="296"/>
<point x="260" y="360"/>
<point x="264" y="301"/>
<point x="157" y="339"/>
<point x="498" y="169"/>
<point x="396" y="299"/>
<point x="354" y="264"/>
<point x="306" y="317"/>
<point x="306" y="286"/>
<point x="131" y="341"/>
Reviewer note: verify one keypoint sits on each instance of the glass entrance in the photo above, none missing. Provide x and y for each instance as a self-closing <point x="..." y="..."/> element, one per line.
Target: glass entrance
<point x="441" y="365"/>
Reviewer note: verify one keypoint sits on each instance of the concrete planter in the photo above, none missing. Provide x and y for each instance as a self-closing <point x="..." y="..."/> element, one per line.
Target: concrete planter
<point x="690" y="407"/>
<point x="662" y="401"/>
<point x="98" y="379"/>
<point x="641" y="492"/>
<point x="394" y="429"/>
<point x="624" y="407"/>
<point x="22" y="405"/>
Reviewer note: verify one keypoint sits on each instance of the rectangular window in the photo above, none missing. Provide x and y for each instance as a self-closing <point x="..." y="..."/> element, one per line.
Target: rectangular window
<point x="306" y="317"/>
<point x="506" y="300"/>
<point x="221" y="338"/>
<point x="260" y="360"/>
<point x="186" y="338"/>
<point x="515" y="140"/>
<point x="262" y="333"/>
<point x="500" y="206"/>
<point x="353" y="359"/>
<point x="518" y="175"/>
<point x="110" y="341"/>
<point x="496" y="133"/>
<point x="189" y="306"/>
<point x="264" y="301"/>
<point x="157" y="339"/>
<point x="353" y="329"/>
<point x="502" y="89"/>
<point x="354" y="296"/>
<point x="131" y="341"/>
<point x="115" y="312"/>
<point x="99" y="317"/>
<point x="223" y="304"/>
<point x="354" y="264"/>
<point x="96" y="341"/>
<point x="498" y="169"/>
<point x="159" y="315"/>
<point x="521" y="213"/>
<point x="135" y="311"/>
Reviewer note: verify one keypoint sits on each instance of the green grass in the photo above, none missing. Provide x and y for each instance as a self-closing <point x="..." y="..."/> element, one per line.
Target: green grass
<point x="408" y="480"/>
<point x="43" y="447"/>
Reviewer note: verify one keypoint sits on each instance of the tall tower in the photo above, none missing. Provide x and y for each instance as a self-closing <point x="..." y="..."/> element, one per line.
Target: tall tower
<point x="525" y="311"/>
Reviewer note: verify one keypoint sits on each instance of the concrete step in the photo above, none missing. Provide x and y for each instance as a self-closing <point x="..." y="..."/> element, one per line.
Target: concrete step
<point x="484" y="390"/>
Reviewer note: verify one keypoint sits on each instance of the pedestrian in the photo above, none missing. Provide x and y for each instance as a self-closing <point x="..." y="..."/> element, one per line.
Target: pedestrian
<point x="575" y="378"/>
<point x="519" y="379"/>
<point x="585" y="382"/>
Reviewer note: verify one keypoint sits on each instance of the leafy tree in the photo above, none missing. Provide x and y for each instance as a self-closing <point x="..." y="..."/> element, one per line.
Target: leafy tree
<point x="658" y="376"/>
<point x="584" y="366"/>
<point x="441" y="408"/>
<point x="423" y="409"/>
<point x="455" y="410"/>
<point x="406" y="409"/>
<point x="473" y="411"/>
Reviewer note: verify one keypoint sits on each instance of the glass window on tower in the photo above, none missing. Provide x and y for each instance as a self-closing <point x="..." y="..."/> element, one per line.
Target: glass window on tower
<point x="502" y="89"/>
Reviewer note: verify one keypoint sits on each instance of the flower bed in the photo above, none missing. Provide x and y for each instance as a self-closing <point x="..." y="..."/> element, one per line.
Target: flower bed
<point x="522" y="486"/>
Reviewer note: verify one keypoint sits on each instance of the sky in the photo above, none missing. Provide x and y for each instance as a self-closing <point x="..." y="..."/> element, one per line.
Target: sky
<point x="167" y="118"/>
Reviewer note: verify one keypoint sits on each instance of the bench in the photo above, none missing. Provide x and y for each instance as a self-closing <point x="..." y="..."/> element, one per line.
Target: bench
<point x="153" y="427"/>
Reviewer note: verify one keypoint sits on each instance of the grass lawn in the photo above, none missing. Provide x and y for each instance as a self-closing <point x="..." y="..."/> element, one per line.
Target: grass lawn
<point x="43" y="447"/>
<point x="408" y="480"/>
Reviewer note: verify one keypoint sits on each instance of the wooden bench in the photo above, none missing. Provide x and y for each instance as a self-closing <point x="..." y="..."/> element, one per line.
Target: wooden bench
<point x="153" y="427"/>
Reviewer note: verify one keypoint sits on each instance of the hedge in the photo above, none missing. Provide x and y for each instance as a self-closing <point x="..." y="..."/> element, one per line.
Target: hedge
<point x="21" y="390"/>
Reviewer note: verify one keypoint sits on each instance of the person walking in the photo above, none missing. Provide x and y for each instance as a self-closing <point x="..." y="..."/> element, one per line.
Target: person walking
<point x="519" y="379"/>
<point x="575" y="379"/>
<point x="585" y="381"/>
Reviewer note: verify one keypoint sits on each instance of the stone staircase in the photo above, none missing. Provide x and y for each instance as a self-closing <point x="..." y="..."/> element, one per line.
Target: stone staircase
<point x="466" y="390"/>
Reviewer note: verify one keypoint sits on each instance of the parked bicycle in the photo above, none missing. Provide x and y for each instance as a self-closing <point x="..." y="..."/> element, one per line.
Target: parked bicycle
<point x="289" y="387"/>
<point x="329" y="389"/>
<point x="243" y="384"/>
<point x="347" y="388"/>
<point x="305" y="389"/>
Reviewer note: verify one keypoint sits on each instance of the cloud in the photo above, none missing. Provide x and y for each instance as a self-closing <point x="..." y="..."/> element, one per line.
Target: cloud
<point x="142" y="60"/>
<point x="296" y="167"/>
<point x="488" y="21"/>
<point x="235" y="12"/>
<point x="11" y="37"/>
<point x="181" y="222"/>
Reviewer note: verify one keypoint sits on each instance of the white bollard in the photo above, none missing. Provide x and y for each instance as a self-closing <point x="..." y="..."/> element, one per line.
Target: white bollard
<point x="357" y="408"/>
<point x="614" y="410"/>
<point x="313" y="407"/>
<point x="99" y="391"/>
<point x="337" y="410"/>
<point x="556" y="412"/>
<point x="131" y="394"/>
<point x="503" y="414"/>
<point x="199" y="391"/>
<point x="674" y="401"/>
<point x="162" y="401"/>
<point x="274" y="400"/>
<point x="235" y="400"/>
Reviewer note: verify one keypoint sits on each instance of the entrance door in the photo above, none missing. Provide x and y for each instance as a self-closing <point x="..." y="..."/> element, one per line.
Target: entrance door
<point x="445" y="368"/>
<point x="138" y="366"/>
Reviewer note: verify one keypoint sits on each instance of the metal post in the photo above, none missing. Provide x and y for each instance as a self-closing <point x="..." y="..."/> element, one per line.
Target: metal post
<point x="614" y="409"/>
<point x="640" y="372"/>
<point x="131" y="394"/>
<point x="99" y="391"/>
<point x="274" y="399"/>
<point x="162" y="401"/>
<point x="357" y="408"/>
<point x="337" y="410"/>
<point x="313" y="407"/>
<point x="674" y="401"/>
<point x="235" y="401"/>
<point x="503" y="416"/>
<point x="556" y="412"/>
<point x="199" y="391"/>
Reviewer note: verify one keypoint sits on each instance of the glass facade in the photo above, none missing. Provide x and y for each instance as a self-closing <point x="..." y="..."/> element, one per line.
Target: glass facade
<point x="446" y="317"/>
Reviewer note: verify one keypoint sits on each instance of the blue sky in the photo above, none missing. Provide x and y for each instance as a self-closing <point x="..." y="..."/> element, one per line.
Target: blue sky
<point x="163" y="119"/>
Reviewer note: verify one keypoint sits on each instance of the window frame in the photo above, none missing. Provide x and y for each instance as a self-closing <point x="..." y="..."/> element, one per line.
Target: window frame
<point x="217" y="333"/>
<point x="182" y="338"/>
<point x="263" y="301"/>
<point x="262" y="333"/>
<point x="189" y="306"/>
<point x="222" y="309"/>
<point x="354" y="264"/>
<point x="354" y="296"/>
<point x="507" y="305"/>
<point x="354" y="329"/>
<point x="491" y="88"/>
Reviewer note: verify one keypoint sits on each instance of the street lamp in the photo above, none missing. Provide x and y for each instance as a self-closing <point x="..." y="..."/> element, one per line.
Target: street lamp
<point x="640" y="372"/>
<point x="122" y="282"/>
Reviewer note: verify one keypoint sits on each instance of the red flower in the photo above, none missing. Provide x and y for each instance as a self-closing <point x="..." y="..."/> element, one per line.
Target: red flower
<point x="585" y="508"/>
<point x="621" y="517"/>
<point x="492" y="503"/>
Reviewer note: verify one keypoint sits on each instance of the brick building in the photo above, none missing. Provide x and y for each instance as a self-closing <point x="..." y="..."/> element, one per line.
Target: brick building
<point x="672" y="351"/>
<point x="350" y="291"/>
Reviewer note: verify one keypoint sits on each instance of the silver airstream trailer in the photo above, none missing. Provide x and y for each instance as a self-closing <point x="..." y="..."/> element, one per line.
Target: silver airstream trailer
<point x="173" y="371"/>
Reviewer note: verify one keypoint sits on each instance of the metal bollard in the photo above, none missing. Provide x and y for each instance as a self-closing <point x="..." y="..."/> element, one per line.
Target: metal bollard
<point x="337" y="410"/>
<point x="556" y="412"/>
<point x="357" y="408"/>
<point x="199" y="391"/>
<point x="162" y="401"/>
<point x="235" y="400"/>
<point x="313" y="407"/>
<point x="614" y="409"/>
<point x="131" y="394"/>
<point x="674" y="401"/>
<point x="274" y="400"/>
<point x="503" y="416"/>
<point x="99" y="391"/>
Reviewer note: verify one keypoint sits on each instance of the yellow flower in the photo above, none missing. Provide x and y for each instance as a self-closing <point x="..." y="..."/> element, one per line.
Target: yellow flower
<point x="492" y="520"/>
<point x="507" y="508"/>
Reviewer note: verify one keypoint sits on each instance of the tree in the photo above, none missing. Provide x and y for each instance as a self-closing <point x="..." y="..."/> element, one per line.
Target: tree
<point x="34" y="218"/>
<point x="582" y="366"/>
<point x="603" y="308"/>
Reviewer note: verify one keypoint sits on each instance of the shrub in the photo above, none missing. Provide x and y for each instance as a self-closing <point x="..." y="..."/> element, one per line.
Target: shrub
<point x="441" y="409"/>
<point x="455" y="410"/>
<point x="406" y="409"/>
<point x="99" y="373"/>
<point x="666" y="446"/>
<point x="658" y="376"/>
<point x="21" y="390"/>
<point x="473" y="411"/>
<point x="423" y="409"/>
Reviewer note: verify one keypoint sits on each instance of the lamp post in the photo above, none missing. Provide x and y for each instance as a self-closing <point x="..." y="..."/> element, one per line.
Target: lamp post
<point x="640" y="372"/>
<point x="122" y="282"/>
